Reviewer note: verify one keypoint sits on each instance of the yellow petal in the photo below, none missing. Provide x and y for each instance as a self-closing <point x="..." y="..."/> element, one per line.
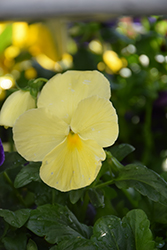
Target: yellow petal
<point x="15" y="105"/>
<point x="37" y="132"/>
<point x="70" y="167"/>
<point x="95" y="118"/>
<point x="63" y="92"/>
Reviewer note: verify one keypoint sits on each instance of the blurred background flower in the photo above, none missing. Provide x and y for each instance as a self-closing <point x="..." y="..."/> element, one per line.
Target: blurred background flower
<point x="2" y="154"/>
<point x="28" y="50"/>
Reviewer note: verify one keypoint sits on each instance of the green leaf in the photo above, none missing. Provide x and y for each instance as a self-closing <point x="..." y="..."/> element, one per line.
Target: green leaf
<point x="35" y="86"/>
<point x="15" y="242"/>
<point x="121" y="151"/>
<point x="139" y="225"/>
<point x="75" y="195"/>
<point x="12" y="160"/>
<point x="77" y="244"/>
<point x="155" y="211"/>
<point x="145" y="181"/>
<point x="17" y="218"/>
<point x="9" y="196"/>
<point x="96" y="197"/>
<point x="42" y="193"/>
<point x="108" y="233"/>
<point x="131" y="233"/>
<point x="31" y="245"/>
<point x="56" y="223"/>
<point x="27" y="174"/>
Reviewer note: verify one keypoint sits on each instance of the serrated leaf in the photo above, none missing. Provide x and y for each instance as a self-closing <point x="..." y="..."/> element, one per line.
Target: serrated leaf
<point x="131" y="233"/>
<point x="121" y="151"/>
<point x="27" y="174"/>
<point x="56" y="223"/>
<point x="108" y="233"/>
<point x="144" y="180"/>
<point x="139" y="225"/>
<point x="17" y="218"/>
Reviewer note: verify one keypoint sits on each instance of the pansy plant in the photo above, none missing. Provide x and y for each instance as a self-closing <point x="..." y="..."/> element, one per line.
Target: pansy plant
<point x="73" y="122"/>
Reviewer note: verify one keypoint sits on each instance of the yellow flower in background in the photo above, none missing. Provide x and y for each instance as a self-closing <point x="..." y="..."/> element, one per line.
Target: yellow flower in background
<point x="20" y="32"/>
<point x="37" y="38"/>
<point x="40" y="41"/>
<point x="73" y="121"/>
<point x="15" y="105"/>
<point x="113" y="62"/>
<point x="45" y="41"/>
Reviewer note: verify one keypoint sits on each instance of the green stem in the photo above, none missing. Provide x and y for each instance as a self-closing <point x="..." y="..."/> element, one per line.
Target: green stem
<point x="11" y="142"/>
<point x="53" y="196"/>
<point x="18" y="195"/>
<point x="104" y="184"/>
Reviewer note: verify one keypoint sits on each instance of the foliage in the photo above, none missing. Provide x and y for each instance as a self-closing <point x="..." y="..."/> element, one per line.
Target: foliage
<point x="126" y="206"/>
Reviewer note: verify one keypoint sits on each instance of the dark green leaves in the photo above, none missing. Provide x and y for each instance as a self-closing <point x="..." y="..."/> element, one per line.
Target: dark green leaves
<point x="31" y="245"/>
<point x="144" y="180"/>
<point x="121" y="151"/>
<point x="27" y="174"/>
<point x="139" y="225"/>
<point x="131" y="233"/>
<point x="57" y="224"/>
<point x="96" y="197"/>
<point x="109" y="232"/>
<point x="76" y="244"/>
<point x="17" y="218"/>
<point x="15" y="242"/>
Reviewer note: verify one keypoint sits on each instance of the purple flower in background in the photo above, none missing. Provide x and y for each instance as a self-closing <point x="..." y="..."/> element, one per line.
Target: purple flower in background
<point x="152" y="19"/>
<point x="2" y="154"/>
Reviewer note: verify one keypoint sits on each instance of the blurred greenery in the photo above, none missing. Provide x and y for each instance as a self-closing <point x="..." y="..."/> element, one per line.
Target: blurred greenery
<point x="126" y="207"/>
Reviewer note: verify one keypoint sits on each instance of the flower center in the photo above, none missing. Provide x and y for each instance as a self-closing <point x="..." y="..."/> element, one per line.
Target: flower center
<point x="73" y="141"/>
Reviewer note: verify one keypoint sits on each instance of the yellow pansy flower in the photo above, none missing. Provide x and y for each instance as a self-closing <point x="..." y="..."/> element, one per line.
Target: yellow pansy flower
<point x="73" y="121"/>
<point x="16" y="104"/>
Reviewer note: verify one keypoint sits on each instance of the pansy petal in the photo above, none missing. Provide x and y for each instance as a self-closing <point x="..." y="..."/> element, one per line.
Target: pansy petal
<point x="65" y="91"/>
<point x="37" y="132"/>
<point x="15" y="105"/>
<point x="95" y="118"/>
<point x="68" y="168"/>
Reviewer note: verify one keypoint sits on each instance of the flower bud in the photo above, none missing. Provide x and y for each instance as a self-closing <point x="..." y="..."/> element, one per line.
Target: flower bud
<point x="15" y="105"/>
